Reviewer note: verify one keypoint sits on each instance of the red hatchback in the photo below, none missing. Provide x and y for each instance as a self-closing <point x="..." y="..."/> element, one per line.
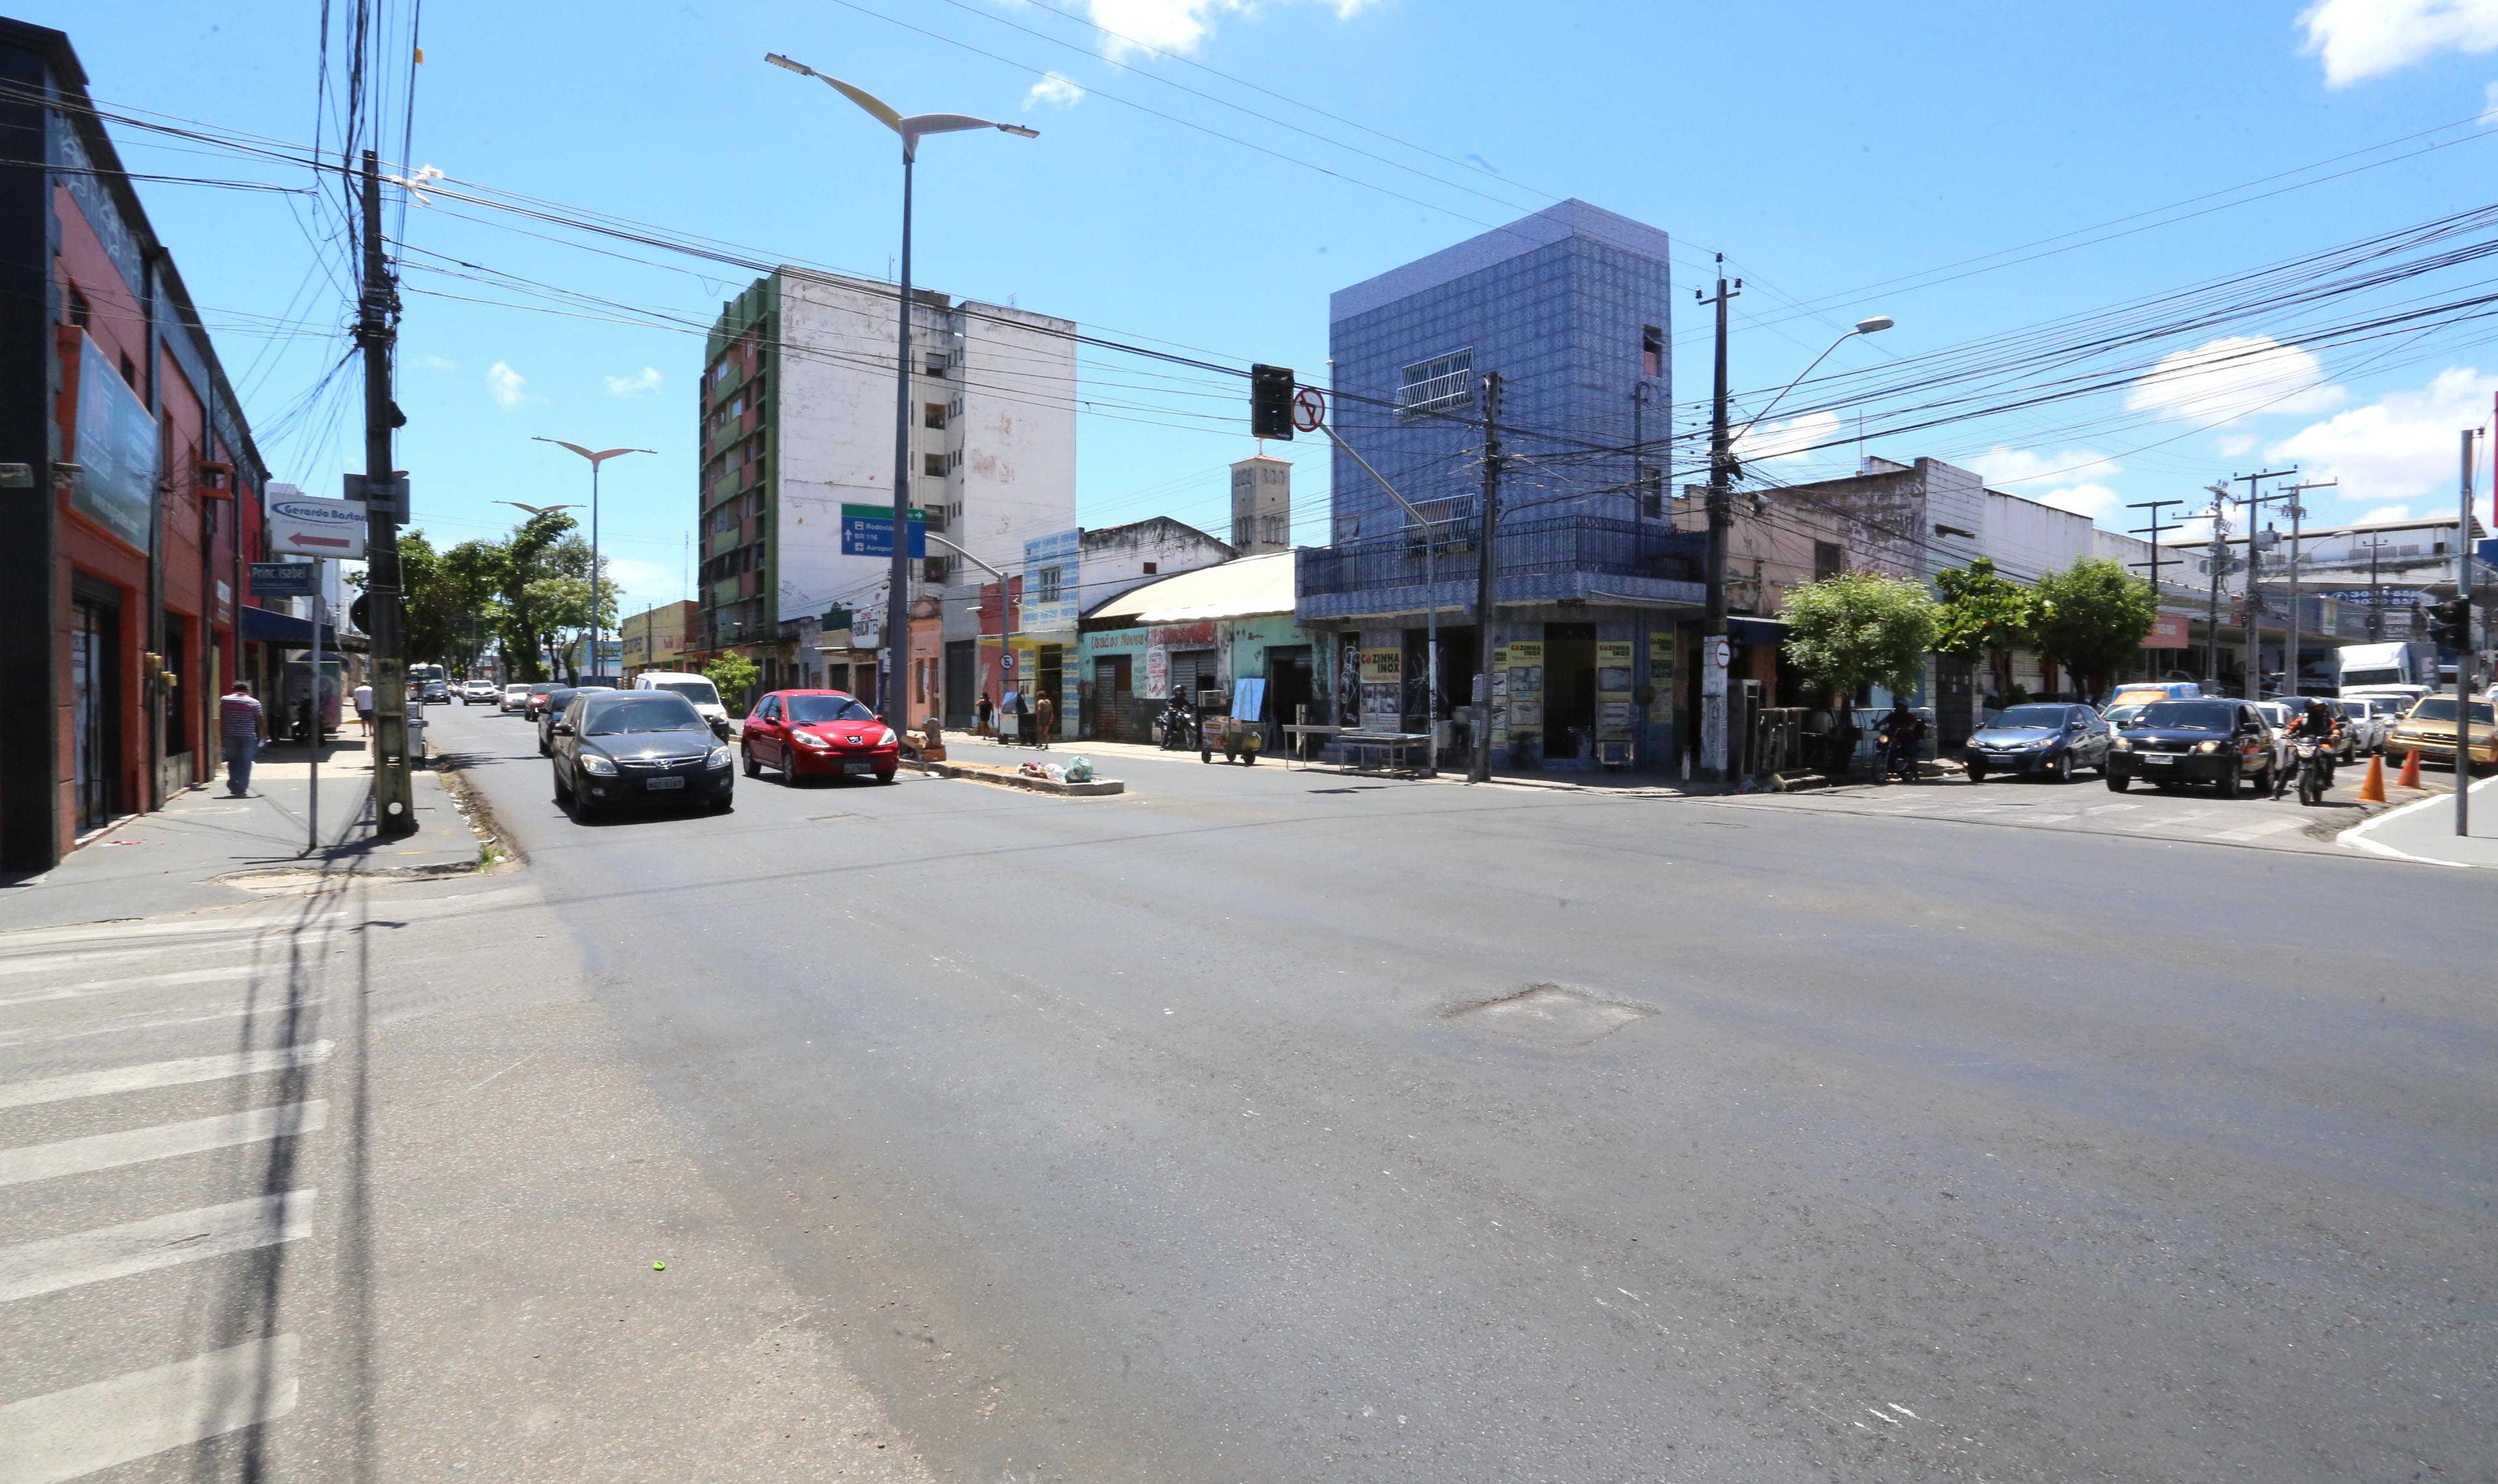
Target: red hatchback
<point x="819" y="734"/>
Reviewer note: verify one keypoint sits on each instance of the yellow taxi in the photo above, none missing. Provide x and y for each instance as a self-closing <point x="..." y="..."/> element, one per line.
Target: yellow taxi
<point x="2429" y="726"/>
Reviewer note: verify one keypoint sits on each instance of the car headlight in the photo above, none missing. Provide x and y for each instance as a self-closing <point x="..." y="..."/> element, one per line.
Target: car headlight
<point x="884" y="738"/>
<point x="2121" y="745"/>
<point x="720" y="757"/>
<point x="592" y="762"/>
<point x="2209" y="746"/>
<point x="810" y="740"/>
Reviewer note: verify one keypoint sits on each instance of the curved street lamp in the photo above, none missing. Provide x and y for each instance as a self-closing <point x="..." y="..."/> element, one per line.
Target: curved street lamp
<point x="897" y="609"/>
<point x="595" y="460"/>
<point x="1874" y="325"/>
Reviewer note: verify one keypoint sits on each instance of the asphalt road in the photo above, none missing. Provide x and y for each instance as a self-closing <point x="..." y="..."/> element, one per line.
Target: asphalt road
<point x="1198" y="1134"/>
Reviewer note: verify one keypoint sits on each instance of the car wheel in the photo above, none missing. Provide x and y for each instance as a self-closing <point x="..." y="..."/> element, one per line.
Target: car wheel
<point x="720" y="804"/>
<point x="1976" y="775"/>
<point x="2116" y="782"/>
<point x="562" y="795"/>
<point x="2228" y="786"/>
<point x="885" y="777"/>
<point x="745" y="756"/>
<point x="2063" y="772"/>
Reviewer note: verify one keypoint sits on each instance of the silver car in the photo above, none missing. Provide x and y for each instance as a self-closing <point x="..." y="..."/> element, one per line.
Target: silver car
<point x="516" y="697"/>
<point x="2369" y="723"/>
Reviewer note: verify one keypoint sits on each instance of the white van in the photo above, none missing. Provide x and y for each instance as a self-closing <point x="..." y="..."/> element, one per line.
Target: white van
<point x="693" y="687"/>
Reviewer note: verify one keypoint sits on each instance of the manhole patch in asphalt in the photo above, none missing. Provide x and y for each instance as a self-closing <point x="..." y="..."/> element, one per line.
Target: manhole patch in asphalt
<point x="1552" y="1015"/>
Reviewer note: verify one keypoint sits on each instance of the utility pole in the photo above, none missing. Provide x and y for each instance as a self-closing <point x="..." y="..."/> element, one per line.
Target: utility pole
<point x="2297" y="513"/>
<point x="2153" y="531"/>
<point x="2218" y="560"/>
<point x="2463" y="651"/>
<point x="1486" y="576"/>
<point x="2376" y="593"/>
<point x="1721" y="501"/>
<point x="2254" y="504"/>
<point x="376" y="332"/>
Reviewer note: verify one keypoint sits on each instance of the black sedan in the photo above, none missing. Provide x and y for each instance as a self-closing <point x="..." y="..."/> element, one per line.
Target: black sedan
<point x="626" y="748"/>
<point x="2043" y="737"/>
<point x="2174" y="742"/>
<point x="556" y="700"/>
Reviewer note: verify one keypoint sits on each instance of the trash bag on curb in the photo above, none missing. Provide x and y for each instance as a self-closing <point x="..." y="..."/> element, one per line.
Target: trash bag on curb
<point x="1080" y="769"/>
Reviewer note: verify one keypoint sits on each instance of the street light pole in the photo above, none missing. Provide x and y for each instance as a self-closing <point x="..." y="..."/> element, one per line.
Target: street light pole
<point x="897" y="603"/>
<point x="595" y="460"/>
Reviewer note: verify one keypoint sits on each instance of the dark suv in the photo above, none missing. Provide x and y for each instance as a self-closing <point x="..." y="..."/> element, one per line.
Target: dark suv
<point x="2212" y="742"/>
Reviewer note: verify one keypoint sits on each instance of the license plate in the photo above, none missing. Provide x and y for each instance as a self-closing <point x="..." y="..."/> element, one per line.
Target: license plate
<point x="656" y="784"/>
<point x="859" y="764"/>
<point x="2153" y="758"/>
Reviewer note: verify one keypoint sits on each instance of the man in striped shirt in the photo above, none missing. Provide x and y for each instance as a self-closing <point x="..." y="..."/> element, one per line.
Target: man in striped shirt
<point x="242" y="726"/>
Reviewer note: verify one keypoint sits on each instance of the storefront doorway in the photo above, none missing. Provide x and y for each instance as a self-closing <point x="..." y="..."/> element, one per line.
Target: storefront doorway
<point x="962" y="683"/>
<point x="1290" y="685"/>
<point x="95" y="711"/>
<point x="1569" y="691"/>
<point x="1113" y="696"/>
<point x="1050" y="677"/>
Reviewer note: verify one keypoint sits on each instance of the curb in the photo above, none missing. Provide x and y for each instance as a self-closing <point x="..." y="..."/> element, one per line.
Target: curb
<point x="980" y="772"/>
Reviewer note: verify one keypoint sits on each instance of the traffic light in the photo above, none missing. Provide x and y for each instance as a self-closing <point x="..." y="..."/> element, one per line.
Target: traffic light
<point x="2449" y="623"/>
<point x="1271" y="401"/>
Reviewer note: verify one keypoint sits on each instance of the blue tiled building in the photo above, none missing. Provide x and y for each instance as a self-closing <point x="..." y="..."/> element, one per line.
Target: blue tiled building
<point x="1573" y="306"/>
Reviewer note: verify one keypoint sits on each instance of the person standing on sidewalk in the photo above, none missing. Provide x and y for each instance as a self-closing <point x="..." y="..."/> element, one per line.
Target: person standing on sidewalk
<point x="243" y="725"/>
<point x="1045" y="721"/>
<point x="363" y="697"/>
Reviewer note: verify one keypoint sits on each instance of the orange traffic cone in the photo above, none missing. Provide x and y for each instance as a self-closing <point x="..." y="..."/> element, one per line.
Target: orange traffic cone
<point x="2411" y="769"/>
<point x="2372" y="789"/>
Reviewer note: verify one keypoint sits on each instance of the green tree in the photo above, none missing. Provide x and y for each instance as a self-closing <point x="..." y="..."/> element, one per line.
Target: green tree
<point x="536" y="600"/>
<point x="472" y="576"/>
<point x="1985" y="615"/>
<point x="1859" y="629"/>
<point x="733" y="675"/>
<point x="2091" y="618"/>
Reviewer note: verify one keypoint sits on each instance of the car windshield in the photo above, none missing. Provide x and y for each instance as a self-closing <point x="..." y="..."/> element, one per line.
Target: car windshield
<point x="609" y="717"/>
<point x="2119" y="715"/>
<point x="2442" y="709"/>
<point x="699" y="692"/>
<point x="2191" y="715"/>
<point x="2031" y="718"/>
<point x="808" y="711"/>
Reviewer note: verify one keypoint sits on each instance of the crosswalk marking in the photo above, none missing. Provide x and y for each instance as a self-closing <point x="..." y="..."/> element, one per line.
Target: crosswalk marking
<point x="162" y="1074"/>
<point x="130" y="1023"/>
<point x="94" y="987"/>
<point x="164" y="1141"/>
<point x="46" y="962"/>
<point x="70" y="1434"/>
<point x="47" y="1265"/>
<point x="2259" y="830"/>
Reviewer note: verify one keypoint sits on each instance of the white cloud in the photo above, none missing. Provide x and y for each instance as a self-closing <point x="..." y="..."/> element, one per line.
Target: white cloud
<point x="504" y="384"/>
<point x="1057" y="90"/>
<point x="2003" y="467"/>
<point x="2403" y="445"/>
<point x="1173" y="25"/>
<point x="2235" y="445"/>
<point x="437" y="363"/>
<point x="2224" y="380"/>
<point x="2363" y="39"/>
<point x="647" y="380"/>
<point x="1786" y="442"/>
<point x="2384" y="515"/>
<point x="2095" y="501"/>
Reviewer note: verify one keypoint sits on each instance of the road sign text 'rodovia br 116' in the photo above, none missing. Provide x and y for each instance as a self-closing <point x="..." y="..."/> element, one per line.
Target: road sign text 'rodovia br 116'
<point x="300" y="526"/>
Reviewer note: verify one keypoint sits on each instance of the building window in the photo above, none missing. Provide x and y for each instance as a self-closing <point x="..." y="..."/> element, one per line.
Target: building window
<point x="1438" y="384"/>
<point x="1048" y="585"/>
<point x="130" y="374"/>
<point x="1152" y="567"/>
<point x="80" y="313"/>
<point x="1828" y="560"/>
<point x="1651" y="351"/>
<point x="932" y="415"/>
<point x="933" y="465"/>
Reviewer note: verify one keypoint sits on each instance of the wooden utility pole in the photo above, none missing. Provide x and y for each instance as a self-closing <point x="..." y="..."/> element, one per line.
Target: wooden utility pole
<point x="377" y="333"/>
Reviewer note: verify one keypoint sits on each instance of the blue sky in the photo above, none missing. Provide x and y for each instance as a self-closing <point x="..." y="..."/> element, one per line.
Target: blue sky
<point x="1837" y="154"/>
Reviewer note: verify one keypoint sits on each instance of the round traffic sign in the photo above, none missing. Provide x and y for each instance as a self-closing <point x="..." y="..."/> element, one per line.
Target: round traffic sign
<point x="1310" y="409"/>
<point x="1720" y="654"/>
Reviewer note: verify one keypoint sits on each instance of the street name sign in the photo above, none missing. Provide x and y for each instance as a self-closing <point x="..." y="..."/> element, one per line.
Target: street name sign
<point x="303" y="527"/>
<point x="285" y="579"/>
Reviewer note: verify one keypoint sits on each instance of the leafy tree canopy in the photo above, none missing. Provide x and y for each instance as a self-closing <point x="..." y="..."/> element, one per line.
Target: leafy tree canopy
<point x="2091" y="618"/>
<point x="1858" y="629"/>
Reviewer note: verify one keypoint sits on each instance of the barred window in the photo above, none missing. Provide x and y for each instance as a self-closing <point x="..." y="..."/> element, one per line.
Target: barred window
<point x="1437" y="385"/>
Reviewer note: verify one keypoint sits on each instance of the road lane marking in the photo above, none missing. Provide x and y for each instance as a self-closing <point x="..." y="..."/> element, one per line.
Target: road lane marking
<point x="162" y="1074"/>
<point x="164" y="1141"/>
<point x="56" y="961"/>
<point x="131" y="1023"/>
<point x="68" y="1434"/>
<point x="2164" y="821"/>
<point x="165" y="980"/>
<point x="55" y="1263"/>
<point x="2259" y="830"/>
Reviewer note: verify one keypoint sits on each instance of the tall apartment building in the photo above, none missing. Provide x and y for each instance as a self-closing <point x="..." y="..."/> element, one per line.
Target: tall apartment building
<point x="797" y="406"/>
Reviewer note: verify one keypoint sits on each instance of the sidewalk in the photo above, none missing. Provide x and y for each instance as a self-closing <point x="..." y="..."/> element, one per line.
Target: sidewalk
<point x="169" y="861"/>
<point x="2425" y="830"/>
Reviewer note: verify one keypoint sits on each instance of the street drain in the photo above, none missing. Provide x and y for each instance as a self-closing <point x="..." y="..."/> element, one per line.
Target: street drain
<point x="1551" y="1014"/>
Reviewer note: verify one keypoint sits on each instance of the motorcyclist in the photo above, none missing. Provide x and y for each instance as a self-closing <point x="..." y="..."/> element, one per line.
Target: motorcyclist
<point x="2320" y="721"/>
<point x="1906" y="729"/>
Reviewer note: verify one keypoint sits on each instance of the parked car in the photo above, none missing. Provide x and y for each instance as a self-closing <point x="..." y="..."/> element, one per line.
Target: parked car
<point x="556" y="700"/>
<point x="2215" y="742"/>
<point x="2429" y="726"/>
<point x="539" y="691"/>
<point x="819" y="734"/>
<point x="2051" y="737"/>
<point x="628" y="748"/>
<point x="475" y="691"/>
<point x="704" y="695"/>
<point x="516" y="697"/>
<point x="2367" y="726"/>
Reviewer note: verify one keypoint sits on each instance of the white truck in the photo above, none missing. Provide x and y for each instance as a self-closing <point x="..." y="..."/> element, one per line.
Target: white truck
<point x="2405" y="670"/>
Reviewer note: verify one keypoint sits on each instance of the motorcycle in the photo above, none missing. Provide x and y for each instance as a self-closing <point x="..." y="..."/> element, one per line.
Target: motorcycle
<point x="1178" y="727"/>
<point x="1900" y="762"/>
<point x="2311" y="763"/>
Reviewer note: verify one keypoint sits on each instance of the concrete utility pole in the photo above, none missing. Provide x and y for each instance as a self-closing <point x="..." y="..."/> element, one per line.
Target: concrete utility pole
<point x="2463" y="652"/>
<point x="2297" y="513"/>
<point x="377" y="331"/>
<point x="2217" y="558"/>
<point x="2254" y="504"/>
<point x="1721" y="500"/>
<point x="1487" y="575"/>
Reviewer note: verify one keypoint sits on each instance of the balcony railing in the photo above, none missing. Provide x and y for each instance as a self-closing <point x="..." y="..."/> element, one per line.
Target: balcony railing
<point x="1529" y="547"/>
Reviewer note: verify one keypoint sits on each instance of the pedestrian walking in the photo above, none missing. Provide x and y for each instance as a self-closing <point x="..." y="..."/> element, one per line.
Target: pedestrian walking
<point x="242" y="726"/>
<point x="1045" y="721"/>
<point x="364" y="708"/>
<point x="983" y="716"/>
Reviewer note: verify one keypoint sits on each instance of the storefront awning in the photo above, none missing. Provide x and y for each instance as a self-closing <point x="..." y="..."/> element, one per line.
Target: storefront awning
<point x="1243" y="587"/>
<point x="1757" y="630"/>
<point x="267" y="625"/>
